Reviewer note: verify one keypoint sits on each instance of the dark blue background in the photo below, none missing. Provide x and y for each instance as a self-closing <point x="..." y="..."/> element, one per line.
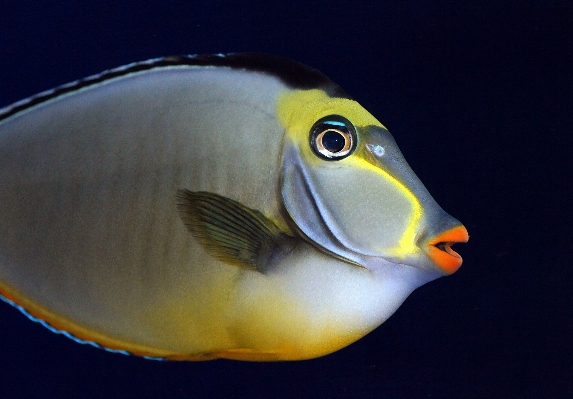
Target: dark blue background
<point x="478" y="95"/>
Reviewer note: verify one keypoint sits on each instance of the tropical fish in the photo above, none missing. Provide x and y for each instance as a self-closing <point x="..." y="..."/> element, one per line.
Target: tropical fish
<point x="235" y="206"/>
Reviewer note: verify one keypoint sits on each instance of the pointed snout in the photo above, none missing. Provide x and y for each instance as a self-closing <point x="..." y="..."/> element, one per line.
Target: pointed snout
<point x="439" y="248"/>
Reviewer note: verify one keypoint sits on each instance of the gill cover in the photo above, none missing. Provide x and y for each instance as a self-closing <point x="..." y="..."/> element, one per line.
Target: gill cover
<point x="347" y="186"/>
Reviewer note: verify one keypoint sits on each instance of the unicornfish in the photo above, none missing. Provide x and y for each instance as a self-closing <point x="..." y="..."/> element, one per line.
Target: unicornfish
<point x="238" y="206"/>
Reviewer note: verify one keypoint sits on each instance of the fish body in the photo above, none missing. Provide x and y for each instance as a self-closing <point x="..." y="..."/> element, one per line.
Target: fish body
<point x="239" y="206"/>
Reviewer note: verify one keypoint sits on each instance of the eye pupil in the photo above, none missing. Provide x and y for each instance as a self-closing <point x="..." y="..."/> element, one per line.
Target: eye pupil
<point x="333" y="141"/>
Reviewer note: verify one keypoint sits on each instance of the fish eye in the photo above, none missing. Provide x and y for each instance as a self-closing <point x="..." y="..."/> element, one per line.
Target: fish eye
<point x="333" y="138"/>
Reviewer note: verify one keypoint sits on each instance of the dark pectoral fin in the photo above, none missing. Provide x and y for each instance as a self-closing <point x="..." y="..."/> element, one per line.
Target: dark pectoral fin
<point x="230" y="231"/>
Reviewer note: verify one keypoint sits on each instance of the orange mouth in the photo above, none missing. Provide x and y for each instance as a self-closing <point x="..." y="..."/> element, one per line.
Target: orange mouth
<point x="440" y="251"/>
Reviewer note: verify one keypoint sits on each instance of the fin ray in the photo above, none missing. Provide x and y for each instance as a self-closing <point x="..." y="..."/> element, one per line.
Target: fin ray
<point x="230" y="231"/>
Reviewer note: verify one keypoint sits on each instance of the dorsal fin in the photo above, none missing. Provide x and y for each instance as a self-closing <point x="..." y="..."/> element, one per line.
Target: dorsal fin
<point x="232" y="232"/>
<point x="292" y="73"/>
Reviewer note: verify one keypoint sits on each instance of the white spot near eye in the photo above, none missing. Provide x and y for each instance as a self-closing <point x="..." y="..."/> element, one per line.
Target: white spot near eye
<point x="377" y="150"/>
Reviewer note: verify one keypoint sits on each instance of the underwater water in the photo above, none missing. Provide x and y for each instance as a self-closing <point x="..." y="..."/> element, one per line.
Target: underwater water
<point x="479" y="97"/>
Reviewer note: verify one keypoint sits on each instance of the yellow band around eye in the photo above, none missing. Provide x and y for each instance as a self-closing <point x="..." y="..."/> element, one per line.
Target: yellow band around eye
<point x="309" y="106"/>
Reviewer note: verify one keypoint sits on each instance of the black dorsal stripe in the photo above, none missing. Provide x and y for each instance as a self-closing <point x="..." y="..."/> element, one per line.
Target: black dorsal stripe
<point x="292" y="73"/>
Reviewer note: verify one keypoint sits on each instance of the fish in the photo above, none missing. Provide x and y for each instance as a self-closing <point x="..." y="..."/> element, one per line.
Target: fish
<point x="239" y="206"/>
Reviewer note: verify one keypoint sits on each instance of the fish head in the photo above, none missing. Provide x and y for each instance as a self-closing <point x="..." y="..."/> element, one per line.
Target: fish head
<point x="351" y="193"/>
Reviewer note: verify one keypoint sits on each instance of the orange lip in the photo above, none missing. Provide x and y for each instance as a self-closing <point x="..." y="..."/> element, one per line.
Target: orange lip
<point x="439" y="249"/>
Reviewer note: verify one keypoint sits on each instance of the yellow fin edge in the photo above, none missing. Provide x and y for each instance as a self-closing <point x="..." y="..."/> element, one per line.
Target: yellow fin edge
<point x="84" y="335"/>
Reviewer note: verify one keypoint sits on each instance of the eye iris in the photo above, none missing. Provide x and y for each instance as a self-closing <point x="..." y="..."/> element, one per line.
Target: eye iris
<point x="333" y="141"/>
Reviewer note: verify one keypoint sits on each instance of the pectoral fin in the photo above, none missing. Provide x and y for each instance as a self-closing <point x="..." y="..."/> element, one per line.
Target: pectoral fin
<point x="232" y="232"/>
